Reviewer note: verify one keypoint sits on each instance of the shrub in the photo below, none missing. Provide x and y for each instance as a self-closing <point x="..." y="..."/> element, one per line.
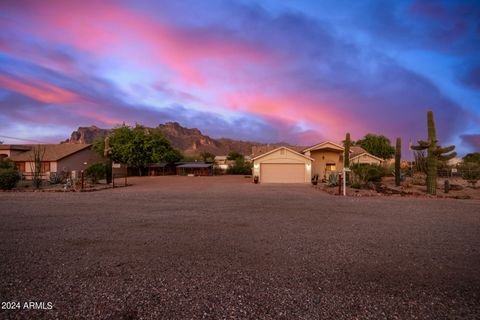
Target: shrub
<point x="95" y="172"/>
<point x="332" y="180"/>
<point x="419" y="179"/>
<point x="9" y="175"/>
<point x="364" y="173"/>
<point x="470" y="172"/>
<point x="240" y="167"/>
<point x="56" y="178"/>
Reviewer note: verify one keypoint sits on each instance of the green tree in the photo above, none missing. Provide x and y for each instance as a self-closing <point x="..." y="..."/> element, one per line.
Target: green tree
<point x="95" y="172"/>
<point x="472" y="158"/>
<point x="207" y="156"/>
<point x="9" y="175"/>
<point x="240" y="167"/>
<point x="234" y="155"/>
<point x="378" y="145"/>
<point x="138" y="147"/>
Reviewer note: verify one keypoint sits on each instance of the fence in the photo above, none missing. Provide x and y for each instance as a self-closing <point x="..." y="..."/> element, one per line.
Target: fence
<point x="119" y="180"/>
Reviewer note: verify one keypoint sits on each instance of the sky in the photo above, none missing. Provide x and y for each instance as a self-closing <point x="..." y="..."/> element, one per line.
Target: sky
<point x="293" y="71"/>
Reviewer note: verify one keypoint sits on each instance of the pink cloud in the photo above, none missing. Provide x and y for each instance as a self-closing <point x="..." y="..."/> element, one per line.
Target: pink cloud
<point x="110" y="30"/>
<point x="324" y="119"/>
<point x="38" y="90"/>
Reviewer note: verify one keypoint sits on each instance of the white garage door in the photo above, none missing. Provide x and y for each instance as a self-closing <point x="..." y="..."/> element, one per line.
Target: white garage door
<point x="282" y="172"/>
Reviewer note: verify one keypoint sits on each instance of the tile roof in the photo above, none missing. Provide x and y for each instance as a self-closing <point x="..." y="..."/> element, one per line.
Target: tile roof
<point x="356" y="150"/>
<point x="53" y="152"/>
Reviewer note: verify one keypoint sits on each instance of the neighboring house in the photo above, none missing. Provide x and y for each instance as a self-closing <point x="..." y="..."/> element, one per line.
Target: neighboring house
<point x="9" y="150"/>
<point x="221" y="162"/>
<point x="452" y="162"/>
<point x="196" y="168"/>
<point x="57" y="158"/>
<point x="359" y="155"/>
<point x="161" y="169"/>
<point x="282" y="165"/>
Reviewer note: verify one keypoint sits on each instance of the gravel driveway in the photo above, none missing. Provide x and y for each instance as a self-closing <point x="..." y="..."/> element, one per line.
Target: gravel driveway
<point x="222" y="247"/>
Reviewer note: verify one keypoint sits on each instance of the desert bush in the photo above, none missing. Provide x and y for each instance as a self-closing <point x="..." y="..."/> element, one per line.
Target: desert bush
<point x="419" y="179"/>
<point x="240" y="167"/>
<point x="56" y="178"/>
<point x="388" y="169"/>
<point x="332" y="180"/>
<point x="363" y="173"/>
<point x="9" y="175"/>
<point x="95" y="172"/>
<point x="470" y="172"/>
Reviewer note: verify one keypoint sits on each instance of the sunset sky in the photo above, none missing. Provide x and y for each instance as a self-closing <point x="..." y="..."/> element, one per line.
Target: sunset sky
<point x="269" y="71"/>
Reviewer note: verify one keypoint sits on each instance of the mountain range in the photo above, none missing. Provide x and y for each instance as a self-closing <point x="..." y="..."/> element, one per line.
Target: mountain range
<point x="190" y="141"/>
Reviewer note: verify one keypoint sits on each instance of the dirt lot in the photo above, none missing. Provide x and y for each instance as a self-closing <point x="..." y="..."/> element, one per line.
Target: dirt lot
<point x="222" y="247"/>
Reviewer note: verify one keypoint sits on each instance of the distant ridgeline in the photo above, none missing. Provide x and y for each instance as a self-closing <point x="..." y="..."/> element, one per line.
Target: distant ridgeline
<point x="189" y="140"/>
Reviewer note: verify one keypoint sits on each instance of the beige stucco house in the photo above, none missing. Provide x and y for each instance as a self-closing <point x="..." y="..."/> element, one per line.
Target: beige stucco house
<point x="56" y="158"/>
<point x="299" y="164"/>
<point x="282" y="165"/>
<point x="328" y="158"/>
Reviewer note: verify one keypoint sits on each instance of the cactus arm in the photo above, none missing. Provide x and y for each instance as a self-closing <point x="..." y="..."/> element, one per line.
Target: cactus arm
<point x="441" y="150"/>
<point x="446" y="157"/>
<point x="418" y="148"/>
<point x="423" y="143"/>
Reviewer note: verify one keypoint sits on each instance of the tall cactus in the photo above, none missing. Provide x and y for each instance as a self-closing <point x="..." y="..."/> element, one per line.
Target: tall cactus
<point x="398" y="158"/>
<point x="346" y="155"/>
<point x="434" y="153"/>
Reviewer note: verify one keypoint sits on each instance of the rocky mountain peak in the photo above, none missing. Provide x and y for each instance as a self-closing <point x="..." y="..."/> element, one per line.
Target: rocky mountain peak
<point x="188" y="140"/>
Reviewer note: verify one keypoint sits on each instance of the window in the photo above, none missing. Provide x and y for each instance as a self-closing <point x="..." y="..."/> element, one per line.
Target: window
<point x="21" y="166"/>
<point x="330" y="167"/>
<point x="45" y="166"/>
<point x="282" y="152"/>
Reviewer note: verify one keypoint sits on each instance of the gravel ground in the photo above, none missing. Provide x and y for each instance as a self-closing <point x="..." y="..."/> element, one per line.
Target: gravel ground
<point x="224" y="248"/>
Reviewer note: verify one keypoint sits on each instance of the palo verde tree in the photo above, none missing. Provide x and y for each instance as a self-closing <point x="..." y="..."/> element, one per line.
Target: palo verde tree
<point x="434" y="154"/>
<point x="398" y="158"/>
<point x="138" y="147"/>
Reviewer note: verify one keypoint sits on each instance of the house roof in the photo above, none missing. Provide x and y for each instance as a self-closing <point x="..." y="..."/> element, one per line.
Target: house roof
<point x="286" y="148"/>
<point x="158" y="165"/>
<point x="259" y="150"/>
<point x="195" y="165"/>
<point x="17" y="147"/>
<point x="53" y="152"/>
<point x="356" y="150"/>
<point x="368" y="155"/>
<point x="324" y="145"/>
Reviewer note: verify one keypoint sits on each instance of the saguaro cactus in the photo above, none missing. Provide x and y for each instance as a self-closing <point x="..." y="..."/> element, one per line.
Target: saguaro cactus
<point x="434" y="153"/>
<point x="398" y="158"/>
<point x="346" y="155"/>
